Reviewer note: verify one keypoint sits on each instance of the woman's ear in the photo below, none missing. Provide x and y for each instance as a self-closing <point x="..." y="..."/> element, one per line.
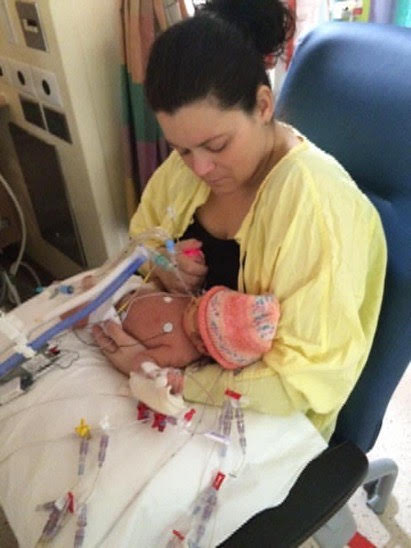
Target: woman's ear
<point x="264" y="104"/>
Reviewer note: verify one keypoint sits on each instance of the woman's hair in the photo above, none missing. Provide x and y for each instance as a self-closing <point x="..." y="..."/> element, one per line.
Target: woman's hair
<point x="217" y="53"/>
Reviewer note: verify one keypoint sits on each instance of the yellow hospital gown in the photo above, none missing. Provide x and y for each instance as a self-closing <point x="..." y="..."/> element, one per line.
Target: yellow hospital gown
<point x="312" y="238"/>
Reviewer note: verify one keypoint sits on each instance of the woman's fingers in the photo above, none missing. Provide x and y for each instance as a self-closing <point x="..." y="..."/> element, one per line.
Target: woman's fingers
<point x="191" y="244"/>
<point x="106" y="343"/>
<point x="194" y="281"/>
<point x="118" y="335"/>
<point x="191" y="262"/>
<point x="192" y="269"/>
<point x="191" y="248"/>
<point x="119" y="348"/>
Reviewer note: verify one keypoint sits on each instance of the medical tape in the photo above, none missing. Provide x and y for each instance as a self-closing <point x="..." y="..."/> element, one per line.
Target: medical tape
<point x="12" y="327"/>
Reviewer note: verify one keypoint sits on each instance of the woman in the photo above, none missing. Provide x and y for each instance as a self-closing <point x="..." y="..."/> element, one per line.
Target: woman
<point x="271" y="212"/>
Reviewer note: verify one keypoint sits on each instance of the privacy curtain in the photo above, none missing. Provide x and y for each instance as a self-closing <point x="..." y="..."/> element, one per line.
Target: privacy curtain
<point x="308" y="14"/>
<point x="144" y="145"/>
<point x="391" y="11"/>
<point x="397" y="12"/>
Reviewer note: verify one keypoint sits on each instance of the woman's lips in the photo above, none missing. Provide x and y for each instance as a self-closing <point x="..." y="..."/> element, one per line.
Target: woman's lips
<point x="214" y="181"/>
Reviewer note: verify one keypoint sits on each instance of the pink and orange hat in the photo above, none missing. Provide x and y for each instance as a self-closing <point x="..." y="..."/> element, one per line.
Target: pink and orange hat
<point x="236" y="328"/>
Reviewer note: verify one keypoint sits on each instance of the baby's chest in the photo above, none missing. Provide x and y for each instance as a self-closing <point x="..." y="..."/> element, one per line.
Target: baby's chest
<point x="153" y="320"/>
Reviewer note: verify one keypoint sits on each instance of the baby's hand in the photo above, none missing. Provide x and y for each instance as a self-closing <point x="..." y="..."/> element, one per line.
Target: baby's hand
<point x="168" y="376"/>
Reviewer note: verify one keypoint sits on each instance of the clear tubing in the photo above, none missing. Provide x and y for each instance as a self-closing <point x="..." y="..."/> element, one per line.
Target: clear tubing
<point x="239" y="416"/>
<point x="82" y="457"/>
<point x="102" y="449"/>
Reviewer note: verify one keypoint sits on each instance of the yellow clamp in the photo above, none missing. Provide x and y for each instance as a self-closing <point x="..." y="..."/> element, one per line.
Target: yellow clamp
<point x="83" y="430"/>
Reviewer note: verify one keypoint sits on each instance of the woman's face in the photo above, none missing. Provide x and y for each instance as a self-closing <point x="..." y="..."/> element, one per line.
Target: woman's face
<point x="223" y="147"/>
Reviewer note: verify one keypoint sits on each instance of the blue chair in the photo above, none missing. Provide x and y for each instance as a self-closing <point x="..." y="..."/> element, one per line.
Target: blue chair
<point x="349" y="91"/>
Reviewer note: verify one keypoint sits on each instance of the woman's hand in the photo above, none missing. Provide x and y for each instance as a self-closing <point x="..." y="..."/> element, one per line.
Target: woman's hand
<point x="191" y="266"/>
<point x="119" y="348"/>
<point x="122" y="351"/>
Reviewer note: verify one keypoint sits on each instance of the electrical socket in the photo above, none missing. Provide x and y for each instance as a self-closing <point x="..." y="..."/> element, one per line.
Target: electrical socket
<point x="47" y="87"/>
<point x="21" y="77"/>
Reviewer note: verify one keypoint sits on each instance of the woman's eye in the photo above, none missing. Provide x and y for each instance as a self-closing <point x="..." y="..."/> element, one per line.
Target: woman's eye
<point x="215" y="148"/>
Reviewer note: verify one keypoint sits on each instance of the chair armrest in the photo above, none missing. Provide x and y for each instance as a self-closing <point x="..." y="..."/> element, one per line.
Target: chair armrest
<point x="323" y="488"/>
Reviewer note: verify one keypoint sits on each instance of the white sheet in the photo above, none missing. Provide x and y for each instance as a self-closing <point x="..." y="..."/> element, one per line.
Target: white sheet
<point x="149" y="479"/>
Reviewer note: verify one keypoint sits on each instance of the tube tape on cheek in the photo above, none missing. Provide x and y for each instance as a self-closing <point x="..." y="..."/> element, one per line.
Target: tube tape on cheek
<point x="157" y="397"/>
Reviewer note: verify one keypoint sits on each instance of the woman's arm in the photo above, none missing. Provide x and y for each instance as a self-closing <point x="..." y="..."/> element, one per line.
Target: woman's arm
<point x="329" y="280"/>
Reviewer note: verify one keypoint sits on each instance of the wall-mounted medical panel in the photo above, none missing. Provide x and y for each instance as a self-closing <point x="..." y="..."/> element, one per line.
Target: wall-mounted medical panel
<point x="57" y="123"/>
<point x="69" y="97"/>
<point x="31" y="25"/>
<point x="47" y="190"/>
<point x="32" y="111"/>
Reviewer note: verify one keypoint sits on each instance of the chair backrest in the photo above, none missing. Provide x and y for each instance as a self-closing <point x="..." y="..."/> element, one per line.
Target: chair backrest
<point x="349" y="91"/>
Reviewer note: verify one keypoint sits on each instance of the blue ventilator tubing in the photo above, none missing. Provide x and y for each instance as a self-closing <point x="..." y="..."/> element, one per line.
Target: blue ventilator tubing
<point x="40" y="341"/>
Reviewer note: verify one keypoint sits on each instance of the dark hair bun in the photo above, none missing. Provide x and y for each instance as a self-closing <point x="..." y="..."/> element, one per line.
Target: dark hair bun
<point x="269" y="23"/>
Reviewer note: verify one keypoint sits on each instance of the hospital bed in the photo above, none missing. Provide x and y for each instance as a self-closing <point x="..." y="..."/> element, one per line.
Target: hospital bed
<point x="80" y="464"/>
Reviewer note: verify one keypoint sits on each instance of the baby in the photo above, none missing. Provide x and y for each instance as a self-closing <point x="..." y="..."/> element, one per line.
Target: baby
<point x="174" y="330"/>
<point x="233" y="328"/>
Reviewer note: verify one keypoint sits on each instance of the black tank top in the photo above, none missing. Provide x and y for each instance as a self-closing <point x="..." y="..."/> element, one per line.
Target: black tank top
<point x="222" y="256"/>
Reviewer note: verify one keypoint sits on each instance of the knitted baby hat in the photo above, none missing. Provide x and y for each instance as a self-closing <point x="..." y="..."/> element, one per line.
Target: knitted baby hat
<point x="237" y="328"/>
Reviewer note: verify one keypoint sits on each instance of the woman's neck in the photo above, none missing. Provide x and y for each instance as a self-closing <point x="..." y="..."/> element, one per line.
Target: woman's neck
<point x="213" y="214"/>
<point x="280" y="139"/>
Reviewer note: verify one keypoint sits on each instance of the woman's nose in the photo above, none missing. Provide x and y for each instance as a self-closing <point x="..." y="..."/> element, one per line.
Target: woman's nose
<point x="202" y="164"/>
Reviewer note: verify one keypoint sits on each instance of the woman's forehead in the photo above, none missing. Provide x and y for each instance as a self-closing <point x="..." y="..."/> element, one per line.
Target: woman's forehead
<point x="197" y="123"/>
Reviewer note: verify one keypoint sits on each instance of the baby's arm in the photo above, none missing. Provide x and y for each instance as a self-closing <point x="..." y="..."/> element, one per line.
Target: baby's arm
<point x="162" y="356"/>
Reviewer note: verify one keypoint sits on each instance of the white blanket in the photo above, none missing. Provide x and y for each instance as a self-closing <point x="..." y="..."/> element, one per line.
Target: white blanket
<point x="150" y="479"/>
